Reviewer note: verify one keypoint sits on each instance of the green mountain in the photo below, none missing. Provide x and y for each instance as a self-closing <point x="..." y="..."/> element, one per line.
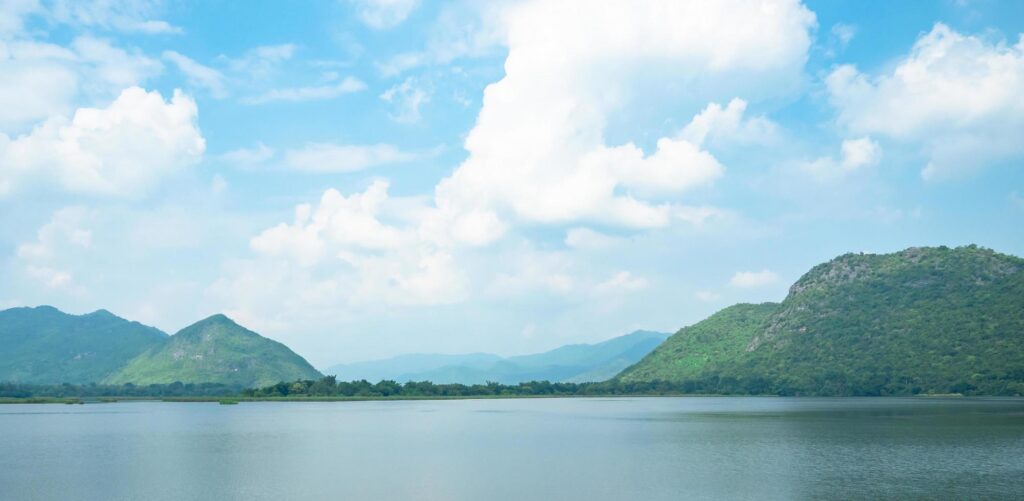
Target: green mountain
<point x="216" y="350"/>
<point x="924" y="320"/>
<point x="44" y="345"/>
<point x="571" y="363"/>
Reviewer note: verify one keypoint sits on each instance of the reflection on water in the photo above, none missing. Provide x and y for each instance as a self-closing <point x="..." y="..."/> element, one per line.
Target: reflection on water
<point x="586" y="449"/>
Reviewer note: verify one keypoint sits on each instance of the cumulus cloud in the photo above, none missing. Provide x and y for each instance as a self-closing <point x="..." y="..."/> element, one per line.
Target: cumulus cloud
<point x="955" y="95"/>
<point x="119" y="150"/>
<point x="855" y="154"/>
<point x="462" y="29"/>
<point x="538" y="151"/>
<point x="538" y="155"/>
<point x="752" y="279"/>
<point x="723" y="126"/>
<point x="41" y="80"/>
<point x="342" y="251"/>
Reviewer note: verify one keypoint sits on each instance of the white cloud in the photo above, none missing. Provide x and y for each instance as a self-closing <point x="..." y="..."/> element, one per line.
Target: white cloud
<point x="132" y="16"/>
<point x="843" y="34"/>
<point x="537" y="155"/>
<point x="586" y="238"/>
<point x="312" y="93"/>
<point x="67" y="229"/>
<point x="41" y="80"/>
<point x="13" y="14"/>
<point x="198" y="74"/>
<point x="955" y="95"/>
<point x="407" y="97"/>
<point x="752" y="279"/>
<point x="622" y="281"/>
<point x="721" y="126"/>
<point x="120" y="150"/>
<point x="537" y="150"/>
<point x="342" y="252"/>
<point x="249" y="156"/>
<point x="466" y="29"/>
<point x="327" y="157"/>
<point x="855" y="154"/>
<point x="350" y="222"/>
<point x="260" y="62"/>
<point x="382" y="14"/>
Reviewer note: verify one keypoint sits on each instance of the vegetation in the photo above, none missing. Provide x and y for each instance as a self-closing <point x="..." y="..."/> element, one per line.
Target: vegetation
<point x="328" y="388"/>
<point x="44" y="345"/>
<point x="104" y="391"/>
<point x="924" y="320"/>
<point x="718" y="340"/>
<point x="216" y="350"/>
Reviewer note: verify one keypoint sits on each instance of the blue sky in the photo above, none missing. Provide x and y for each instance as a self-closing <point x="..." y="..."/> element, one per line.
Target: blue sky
<point x="364" y="178"/>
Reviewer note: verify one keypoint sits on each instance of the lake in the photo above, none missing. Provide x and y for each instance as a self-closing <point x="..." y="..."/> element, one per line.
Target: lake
<point x="562" y="449"/>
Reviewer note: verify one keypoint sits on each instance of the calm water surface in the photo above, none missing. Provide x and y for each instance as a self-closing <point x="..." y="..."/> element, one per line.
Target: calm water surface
<point x="564" y="449"/>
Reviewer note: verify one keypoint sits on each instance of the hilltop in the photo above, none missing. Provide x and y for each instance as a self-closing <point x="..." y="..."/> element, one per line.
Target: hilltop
<point x="923" y="320"/>
<point x="44" y="345"/>
<point x="216" y="350"/>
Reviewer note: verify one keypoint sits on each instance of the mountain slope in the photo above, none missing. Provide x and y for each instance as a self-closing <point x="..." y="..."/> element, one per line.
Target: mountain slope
<point x="397" y="368"/>
<point x="216" y="350"/>
<point x="575" y="363"/>
<point x="719" y="339"/>
<point x="44" y="345"/>
<point x="921" y="320"/>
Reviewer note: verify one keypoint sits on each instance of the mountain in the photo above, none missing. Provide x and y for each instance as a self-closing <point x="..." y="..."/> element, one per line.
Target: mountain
<point x="44" y="345"/>
<point x="216" y="350"/>
<point x="923" y="320"/>
<point x="397" y="368"/>
<point x="571" y="363"/>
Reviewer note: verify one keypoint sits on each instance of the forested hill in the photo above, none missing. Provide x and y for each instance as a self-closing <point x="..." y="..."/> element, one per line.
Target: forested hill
<point x="923" y="320"/>
<point x="44" y="345"/>
<point x="216" y="350"/>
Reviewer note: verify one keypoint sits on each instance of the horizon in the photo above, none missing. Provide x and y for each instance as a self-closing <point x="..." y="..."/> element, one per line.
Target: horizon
<point x="332" y="175"/>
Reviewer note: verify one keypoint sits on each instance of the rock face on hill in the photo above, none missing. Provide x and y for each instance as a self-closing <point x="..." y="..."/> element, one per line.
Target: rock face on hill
<point x="923" y="320"/>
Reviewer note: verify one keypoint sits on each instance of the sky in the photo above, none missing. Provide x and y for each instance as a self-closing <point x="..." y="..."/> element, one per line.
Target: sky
<point x="360" y="179"/>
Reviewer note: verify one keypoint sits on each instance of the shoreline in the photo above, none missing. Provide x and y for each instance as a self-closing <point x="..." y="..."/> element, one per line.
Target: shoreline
<point x="231" y="400"/>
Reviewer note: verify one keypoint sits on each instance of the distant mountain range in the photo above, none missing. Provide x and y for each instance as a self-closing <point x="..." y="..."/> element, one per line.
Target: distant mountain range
<point x="44" y="345"/>
<point x="923" y="320"/>
<point x="571" y="363"/>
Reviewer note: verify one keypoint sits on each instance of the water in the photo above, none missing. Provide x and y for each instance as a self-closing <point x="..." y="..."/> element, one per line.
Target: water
<point x="564" y="449"/>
